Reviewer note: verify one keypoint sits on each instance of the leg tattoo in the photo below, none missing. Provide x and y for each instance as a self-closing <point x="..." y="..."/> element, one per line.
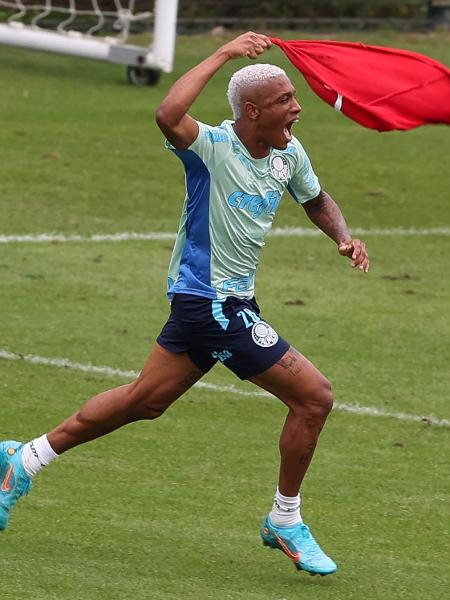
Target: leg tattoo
<point x="292" y="361"/>
<point x="306" y="458"/>
<point x="190" y="379"/>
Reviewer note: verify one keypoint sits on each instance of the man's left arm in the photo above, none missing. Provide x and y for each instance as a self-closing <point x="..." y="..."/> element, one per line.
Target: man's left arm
<point x="326" y="214"/>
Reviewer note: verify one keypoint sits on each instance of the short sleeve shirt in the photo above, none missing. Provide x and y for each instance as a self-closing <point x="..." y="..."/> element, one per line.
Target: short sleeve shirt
<point x="231" y="200"/>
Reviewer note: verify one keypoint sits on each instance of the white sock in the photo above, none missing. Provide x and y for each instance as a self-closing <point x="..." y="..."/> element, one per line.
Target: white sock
<point x="37" y="454"/>
<point x="285" y="510"/>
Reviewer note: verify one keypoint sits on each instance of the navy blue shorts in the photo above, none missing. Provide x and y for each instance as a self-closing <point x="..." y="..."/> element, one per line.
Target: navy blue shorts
<point x="232" y="332"/>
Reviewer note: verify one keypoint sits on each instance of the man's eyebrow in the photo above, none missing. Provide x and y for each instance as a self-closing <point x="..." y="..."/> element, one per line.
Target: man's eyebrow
<point x="284" y="94"/>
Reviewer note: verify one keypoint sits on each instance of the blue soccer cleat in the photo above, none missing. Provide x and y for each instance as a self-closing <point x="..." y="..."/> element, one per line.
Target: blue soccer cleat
<point x="14" y="481"/>
<point x="298" y="543"/>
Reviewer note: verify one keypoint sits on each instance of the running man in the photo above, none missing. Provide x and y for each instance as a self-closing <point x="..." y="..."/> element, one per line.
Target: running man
<point x="236" y="174"/>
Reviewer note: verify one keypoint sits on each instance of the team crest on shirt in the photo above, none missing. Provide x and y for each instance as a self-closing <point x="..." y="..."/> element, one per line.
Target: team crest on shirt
<point x="279" y="167"/>
<point x="264" y="335"/>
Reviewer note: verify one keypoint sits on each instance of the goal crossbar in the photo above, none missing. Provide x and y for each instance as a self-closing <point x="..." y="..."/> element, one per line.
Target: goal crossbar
<point x="158" y="56"/>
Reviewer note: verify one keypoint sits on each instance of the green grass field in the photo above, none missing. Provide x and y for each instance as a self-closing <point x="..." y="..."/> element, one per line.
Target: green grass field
<point x="171" y="509"/>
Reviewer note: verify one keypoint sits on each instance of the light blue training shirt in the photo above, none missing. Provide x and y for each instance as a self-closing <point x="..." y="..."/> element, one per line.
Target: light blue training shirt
<point x="231" y="200"/>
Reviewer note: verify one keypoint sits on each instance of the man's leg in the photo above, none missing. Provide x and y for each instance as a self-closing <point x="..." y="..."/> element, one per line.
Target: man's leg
<point x="307" y="394"/>
<point x="165" y="377"/>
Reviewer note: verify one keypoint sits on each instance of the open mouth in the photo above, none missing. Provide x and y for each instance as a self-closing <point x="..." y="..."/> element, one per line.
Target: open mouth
<point x="287" y="129"/>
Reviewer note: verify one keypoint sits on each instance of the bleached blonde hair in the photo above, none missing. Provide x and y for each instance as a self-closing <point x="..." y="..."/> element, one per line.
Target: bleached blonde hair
<point x="250" y="75"/>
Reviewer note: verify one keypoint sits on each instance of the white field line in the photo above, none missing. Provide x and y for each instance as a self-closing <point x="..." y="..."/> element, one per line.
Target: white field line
<point x="127" y="236"/>
<point x="112" y="237"/>
<point x="229" y="389"/>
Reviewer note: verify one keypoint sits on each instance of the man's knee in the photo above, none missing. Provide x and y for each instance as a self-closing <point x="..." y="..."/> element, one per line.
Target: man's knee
<point x="325" y="396"/>
<point x="317" y="402"/>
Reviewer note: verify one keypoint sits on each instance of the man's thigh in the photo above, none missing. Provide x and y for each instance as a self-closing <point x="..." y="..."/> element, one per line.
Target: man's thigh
<point x="165" y="376"/>
<point x="294" y="379"/>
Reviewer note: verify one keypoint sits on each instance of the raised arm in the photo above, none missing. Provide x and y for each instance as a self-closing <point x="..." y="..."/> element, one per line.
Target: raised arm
<point x="179" y="128"/>
<point x="326" y="214"/>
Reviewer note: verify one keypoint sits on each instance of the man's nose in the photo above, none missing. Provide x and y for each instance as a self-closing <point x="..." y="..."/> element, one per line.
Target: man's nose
<point x="296" y="107"/>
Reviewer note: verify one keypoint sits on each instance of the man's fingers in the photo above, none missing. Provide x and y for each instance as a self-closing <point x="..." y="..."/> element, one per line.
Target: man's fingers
<point x="258" y="43"/>
<point x="356" y="250"/>
<point x="364" y="265"/>
<point x="261" y="39"/>
<point x="255" y="51"/>
<point x="359" y="251"/>
<point x="358" y="258"/>
<point x="249" y="44"/>
<point x="345" y="248"/>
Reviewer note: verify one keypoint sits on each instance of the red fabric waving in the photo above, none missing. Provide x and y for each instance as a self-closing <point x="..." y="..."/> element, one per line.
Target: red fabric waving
<point x="380" y="88"/>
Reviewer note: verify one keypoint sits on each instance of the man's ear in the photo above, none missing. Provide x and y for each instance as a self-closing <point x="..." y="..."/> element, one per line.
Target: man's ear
<point x="252" y="111"/>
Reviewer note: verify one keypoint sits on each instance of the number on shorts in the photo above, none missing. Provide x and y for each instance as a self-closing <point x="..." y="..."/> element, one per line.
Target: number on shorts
<point x="249" y="317"/>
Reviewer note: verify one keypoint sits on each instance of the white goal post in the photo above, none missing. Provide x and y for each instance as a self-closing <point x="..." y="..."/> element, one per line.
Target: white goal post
<point x="144" y="64"/>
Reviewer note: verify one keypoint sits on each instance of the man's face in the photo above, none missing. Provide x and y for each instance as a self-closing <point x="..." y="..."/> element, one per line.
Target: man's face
<point x="274" y="109"/>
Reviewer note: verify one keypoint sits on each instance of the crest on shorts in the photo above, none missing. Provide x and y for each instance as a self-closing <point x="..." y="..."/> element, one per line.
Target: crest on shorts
<point x="264" y="335"/>
<point x="279" y="167"/>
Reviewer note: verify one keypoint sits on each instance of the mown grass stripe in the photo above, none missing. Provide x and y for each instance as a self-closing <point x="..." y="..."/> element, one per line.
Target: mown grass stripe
<point x="127" y="236"/>
<point x="230" y="389"/>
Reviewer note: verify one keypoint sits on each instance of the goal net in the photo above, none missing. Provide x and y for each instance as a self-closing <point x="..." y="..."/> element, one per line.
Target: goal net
<point x="97" y="29"/>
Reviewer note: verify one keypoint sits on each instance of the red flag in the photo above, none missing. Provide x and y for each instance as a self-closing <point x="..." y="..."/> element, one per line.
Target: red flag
<point x="380" y="88"/>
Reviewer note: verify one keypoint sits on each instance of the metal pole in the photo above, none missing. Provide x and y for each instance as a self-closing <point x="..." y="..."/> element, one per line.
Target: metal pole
<point x="165" y="30"/>
<point x="74" y="44"/>
<point x="47" y="41"/>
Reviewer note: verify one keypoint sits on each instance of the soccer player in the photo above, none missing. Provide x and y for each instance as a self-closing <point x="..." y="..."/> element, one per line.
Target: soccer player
<point x="236" y="174"/>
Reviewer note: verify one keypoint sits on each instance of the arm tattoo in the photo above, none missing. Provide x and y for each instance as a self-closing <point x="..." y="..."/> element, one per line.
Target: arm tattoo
<point x="326" y="214"/>
<point x="292" y="361"/>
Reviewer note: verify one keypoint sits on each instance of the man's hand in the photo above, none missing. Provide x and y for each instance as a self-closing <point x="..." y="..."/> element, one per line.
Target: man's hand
<point x="326" y="214"/>
<point x="248" y="44"/>
<point x="357" y="251"/>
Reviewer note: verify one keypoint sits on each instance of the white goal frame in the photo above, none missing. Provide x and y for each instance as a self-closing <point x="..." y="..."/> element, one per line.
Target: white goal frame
<point x="157" y="57"/>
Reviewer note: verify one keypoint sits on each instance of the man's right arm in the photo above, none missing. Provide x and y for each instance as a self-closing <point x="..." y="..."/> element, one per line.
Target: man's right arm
<point x="179" y="128"/>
